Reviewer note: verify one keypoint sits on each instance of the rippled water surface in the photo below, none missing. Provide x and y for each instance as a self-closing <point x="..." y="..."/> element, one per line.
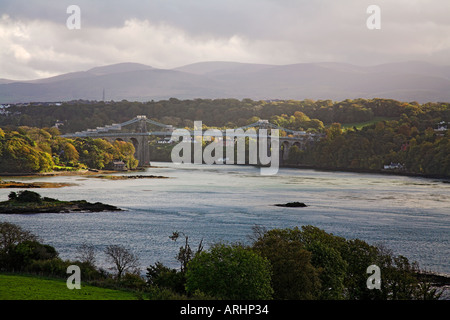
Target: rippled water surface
<point x="409" y="215"/>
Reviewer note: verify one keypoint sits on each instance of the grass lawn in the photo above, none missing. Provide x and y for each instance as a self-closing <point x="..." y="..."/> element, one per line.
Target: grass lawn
<point x="64" y="168"/>
<point x="360" y="125"/>
<point x="22" y="287"/>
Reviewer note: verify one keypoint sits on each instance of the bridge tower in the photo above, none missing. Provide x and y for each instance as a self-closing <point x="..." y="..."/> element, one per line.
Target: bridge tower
<point x="140" y="143"/>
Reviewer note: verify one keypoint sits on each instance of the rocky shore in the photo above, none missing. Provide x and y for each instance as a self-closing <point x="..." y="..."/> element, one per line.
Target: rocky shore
<point x="29" y="185"/>
<point x="28" y="202"/>
<point x="125" y="177"/>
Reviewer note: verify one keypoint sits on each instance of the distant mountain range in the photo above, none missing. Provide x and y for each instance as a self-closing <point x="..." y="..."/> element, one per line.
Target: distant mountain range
<point x="407" y="81"/>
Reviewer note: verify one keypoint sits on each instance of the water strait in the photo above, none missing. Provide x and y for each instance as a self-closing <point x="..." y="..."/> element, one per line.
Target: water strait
<point x="221" y="203"/>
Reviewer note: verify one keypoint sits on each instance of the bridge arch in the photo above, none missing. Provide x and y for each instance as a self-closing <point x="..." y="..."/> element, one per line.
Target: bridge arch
<point x="285" y="146"/>
<point x="298" y="145"/>
<point x="135" y="143"/>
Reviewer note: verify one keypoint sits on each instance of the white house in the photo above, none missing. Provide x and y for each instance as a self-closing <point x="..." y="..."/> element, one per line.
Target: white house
<point x="393" y="166"/>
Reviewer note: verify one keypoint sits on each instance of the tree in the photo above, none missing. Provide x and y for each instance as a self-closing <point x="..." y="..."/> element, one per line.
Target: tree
<point x="11" y="235"/>
<point x="230" y="272"/>
<point x="28" y="196"/>
<point x="86" y="254"/>
<point x="293" y="275"/>
<point x="18" y="248"/>
<point x="12" y="196"/>
<point x="70" y="153"/>
<point x="400" y="279"/>
<point x="123" y="259"/>
<point x="125" y="151"/>
<point x="294" y="154"/>
<point x="334" y="131"/>
<point x="331" y="268"/>
<point x="185" y="253"/>
<point x="20" y="154"/>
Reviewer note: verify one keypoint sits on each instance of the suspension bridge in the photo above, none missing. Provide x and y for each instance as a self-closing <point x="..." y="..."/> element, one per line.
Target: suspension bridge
<point x="139" y="129"/>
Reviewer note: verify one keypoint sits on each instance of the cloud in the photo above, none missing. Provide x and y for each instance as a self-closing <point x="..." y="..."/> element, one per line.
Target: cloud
<point x="47" y="48"/>
<point x="166" y="34"/>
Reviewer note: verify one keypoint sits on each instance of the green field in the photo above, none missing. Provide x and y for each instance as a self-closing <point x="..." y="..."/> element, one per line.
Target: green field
<point x="22" y="287"/>
<point x="360" y="125"/>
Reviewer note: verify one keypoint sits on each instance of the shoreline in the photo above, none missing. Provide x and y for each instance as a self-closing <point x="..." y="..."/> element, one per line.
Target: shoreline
<point x="125" y="177"/>
<point x="445" y="178"/>
<point x="369" y="171"/>
<point x="101" y="174"/>
<point x="33" y="185"/>
<point x="61" y="173"/>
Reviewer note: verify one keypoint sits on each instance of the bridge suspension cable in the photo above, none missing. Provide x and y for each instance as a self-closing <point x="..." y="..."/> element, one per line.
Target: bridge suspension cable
<point x="158" y="123"/>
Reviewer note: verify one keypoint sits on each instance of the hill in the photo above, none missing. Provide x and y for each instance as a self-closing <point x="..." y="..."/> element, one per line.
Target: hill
<point x="406" y="81"/>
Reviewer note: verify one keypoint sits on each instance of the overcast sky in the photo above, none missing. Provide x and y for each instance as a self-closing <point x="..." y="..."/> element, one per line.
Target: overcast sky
<point x="35" y="41"/>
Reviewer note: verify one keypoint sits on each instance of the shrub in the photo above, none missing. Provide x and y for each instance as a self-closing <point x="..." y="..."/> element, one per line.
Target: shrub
<point x="164" y="277"/>
<point x="53" y="267"/>
<point x="22" y="254"/>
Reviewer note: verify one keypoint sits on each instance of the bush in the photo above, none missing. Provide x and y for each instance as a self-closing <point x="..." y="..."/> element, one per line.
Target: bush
<point x="22" y="254"/>
<point x="132" y="281"/>
<point x="164" y="277"/>
<point x="53" y="267"/>
<point x="89" y="272"/>
<point x="156" y="293"/>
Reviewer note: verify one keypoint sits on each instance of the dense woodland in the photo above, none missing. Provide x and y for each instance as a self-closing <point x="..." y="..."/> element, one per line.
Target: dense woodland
<point x="28" y="150"/>
<point x="370" y="148"/>
<point x="81" y="115"/>
<point x="361" y="134"/>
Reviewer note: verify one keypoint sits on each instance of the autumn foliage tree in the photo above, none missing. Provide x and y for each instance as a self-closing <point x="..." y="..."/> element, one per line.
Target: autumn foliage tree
<point x="39" y="150"/>
<point x="19" y="153"/>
